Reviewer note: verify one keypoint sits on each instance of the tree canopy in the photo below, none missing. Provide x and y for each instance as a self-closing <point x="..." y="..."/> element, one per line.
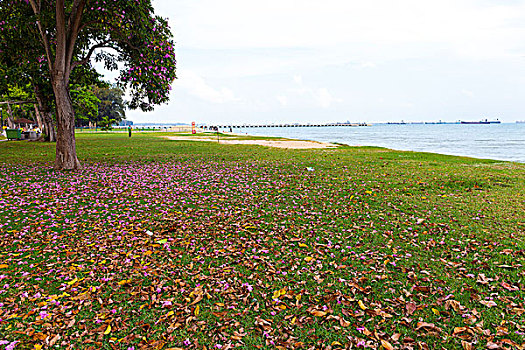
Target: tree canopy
<point x="57" y="37"/>
<point x="111" y="103"/>
<point x="85" y="103"/>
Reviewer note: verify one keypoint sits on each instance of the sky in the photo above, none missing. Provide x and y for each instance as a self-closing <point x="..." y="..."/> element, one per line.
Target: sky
<point x="286" y="61"/>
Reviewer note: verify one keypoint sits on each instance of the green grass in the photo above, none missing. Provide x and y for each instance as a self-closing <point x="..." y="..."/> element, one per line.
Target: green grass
<point x="373" y="246"/>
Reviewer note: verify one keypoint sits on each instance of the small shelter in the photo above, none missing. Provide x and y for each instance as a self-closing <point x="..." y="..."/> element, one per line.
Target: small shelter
<point x="24" y="123"/>
<point x="27" y="126"/>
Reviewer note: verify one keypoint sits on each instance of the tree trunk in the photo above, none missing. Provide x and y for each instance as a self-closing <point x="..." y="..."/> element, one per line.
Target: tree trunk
<point x="10" y="120"/>
<point x="45" y="113"/>
<point x="50" y="127"/>
<point x="66" y="153"/>
<point x="38" y="117"/>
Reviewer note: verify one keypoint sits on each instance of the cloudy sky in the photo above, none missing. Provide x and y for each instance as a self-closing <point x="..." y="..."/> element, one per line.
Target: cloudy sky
<point x="245" y="61"/>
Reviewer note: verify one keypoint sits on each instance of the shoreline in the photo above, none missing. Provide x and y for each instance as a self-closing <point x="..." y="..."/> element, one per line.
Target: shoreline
<point x="336" y="139"/>
<point x="296" y="143"/>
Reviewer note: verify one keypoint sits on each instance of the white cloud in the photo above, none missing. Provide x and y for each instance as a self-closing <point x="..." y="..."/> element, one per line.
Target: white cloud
<point x="324" y="98"/>
<point x="197" y="86"/>
<point x="283" y="100"/>
<point x="321" y="97"/>
<point x="467" y="93"/>
<point x="368" y="65"/>
<point x="469" y="27"/>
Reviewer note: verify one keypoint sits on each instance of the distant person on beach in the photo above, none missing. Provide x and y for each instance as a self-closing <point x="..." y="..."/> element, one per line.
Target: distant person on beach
<point x="129" y="130"/>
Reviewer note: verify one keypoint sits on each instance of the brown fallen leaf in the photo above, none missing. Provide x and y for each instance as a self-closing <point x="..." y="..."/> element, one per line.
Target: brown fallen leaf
<point x="422" y="345"/>
<point x="411" y="308"/>
<point x="454" y="304"/>
<point x="318" y="313"/>
<point x="482" y="279"/>
<point x="518" y="311"/>
<point x="71" y="323"/>
<point x="386" y="345"/>
<point x="509" y="287"/>
<point x="197" y="299"/>
<point x="488" y="303"/>
<point x="54" y="340"/>
<point x="466" y="346"/>
<point x="424" y="289"/>
<point x="513" y="344"/>
<point x="39" y="336"/>
<point x="458" y="330"/>
<point x="427" y="326"/>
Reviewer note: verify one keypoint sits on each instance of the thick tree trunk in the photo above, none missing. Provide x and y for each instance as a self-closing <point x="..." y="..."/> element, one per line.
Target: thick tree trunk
<point x="45" y="113"/>
<point x="66" y="153"/>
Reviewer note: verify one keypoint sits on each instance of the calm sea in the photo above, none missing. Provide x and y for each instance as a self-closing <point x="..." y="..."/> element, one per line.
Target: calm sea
<point x="494" y="141"/>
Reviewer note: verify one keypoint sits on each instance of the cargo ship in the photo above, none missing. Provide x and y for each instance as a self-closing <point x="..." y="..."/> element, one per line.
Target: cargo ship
<point x="486" y="121"/>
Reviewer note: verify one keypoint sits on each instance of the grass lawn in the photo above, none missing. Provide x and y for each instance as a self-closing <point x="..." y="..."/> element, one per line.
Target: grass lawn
<point x="160" y="244"/>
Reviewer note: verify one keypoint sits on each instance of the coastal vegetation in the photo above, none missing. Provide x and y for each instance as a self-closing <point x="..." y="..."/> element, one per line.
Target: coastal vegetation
<point x="159" y="244"/>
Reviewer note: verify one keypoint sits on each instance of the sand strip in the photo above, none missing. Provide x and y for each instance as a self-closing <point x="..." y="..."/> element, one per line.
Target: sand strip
<point x="289" y="144"/>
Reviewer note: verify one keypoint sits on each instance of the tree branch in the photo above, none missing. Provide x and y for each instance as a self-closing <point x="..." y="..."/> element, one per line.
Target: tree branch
<point x="43" y="35"/>
<point x="74" y="30"/>
<point x="61" y="36"/>
<point x="123" y="37"/>
<point x="90" y="52"/>
<point x="87" y="24"/>
<point x="16" y="102"/>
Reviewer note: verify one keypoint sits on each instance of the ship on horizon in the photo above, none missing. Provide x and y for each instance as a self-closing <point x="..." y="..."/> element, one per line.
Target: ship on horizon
<point x="486" y="121"/>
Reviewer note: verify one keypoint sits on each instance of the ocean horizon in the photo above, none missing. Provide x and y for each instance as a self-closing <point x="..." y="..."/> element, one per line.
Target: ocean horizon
<point x="505" y="141"/>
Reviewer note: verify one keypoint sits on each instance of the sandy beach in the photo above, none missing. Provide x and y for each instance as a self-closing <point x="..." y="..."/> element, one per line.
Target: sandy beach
<point x="289" y="144"/>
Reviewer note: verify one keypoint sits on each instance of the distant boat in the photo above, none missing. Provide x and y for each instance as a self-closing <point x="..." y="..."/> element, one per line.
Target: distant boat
<point x="486" y="121"/>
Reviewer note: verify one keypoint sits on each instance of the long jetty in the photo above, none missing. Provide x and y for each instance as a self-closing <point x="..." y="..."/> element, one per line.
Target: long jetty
<point x="295" y="125"/>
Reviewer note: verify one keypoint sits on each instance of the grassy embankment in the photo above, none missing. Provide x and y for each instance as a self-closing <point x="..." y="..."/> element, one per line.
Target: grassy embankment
<point x="168" y="244"/>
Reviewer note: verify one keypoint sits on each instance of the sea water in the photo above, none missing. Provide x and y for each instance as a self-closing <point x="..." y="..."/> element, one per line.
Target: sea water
<point x="504" y="141"/>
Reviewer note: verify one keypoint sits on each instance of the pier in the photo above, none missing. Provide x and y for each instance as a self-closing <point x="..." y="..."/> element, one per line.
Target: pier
<point x="295" y="125"/>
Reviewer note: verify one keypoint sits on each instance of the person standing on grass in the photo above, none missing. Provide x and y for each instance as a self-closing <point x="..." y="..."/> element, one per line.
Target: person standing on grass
<point x="129" y="130"/>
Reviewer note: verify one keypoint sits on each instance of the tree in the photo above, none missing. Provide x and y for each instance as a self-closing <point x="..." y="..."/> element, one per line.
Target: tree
<point x="106" y="123"/>
<point x="112" y="104"/>
<point x="24" y="62"/>
<point x="16" y="98"/>
<point x="69" y="32"/>
<point x="85" y="103"/>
